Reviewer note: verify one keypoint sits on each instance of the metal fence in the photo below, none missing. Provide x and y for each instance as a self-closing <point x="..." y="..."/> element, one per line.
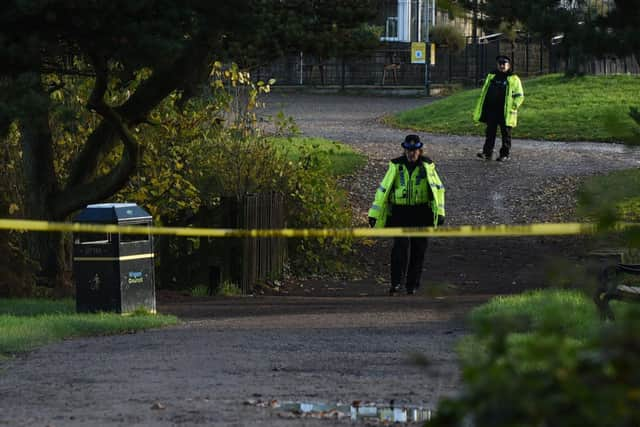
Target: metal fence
<point x="391" y="65"/>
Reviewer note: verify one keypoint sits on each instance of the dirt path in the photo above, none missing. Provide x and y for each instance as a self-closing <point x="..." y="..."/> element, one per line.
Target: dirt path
<point x="314" y="348"/>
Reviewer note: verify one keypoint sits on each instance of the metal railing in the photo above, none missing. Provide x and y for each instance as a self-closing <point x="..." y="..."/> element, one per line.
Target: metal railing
<point x="391" y="65"/>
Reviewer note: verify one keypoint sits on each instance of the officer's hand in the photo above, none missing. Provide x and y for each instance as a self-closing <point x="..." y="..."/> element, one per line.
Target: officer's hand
<point x="372" y="222"/>
<point x="440" y="220"/>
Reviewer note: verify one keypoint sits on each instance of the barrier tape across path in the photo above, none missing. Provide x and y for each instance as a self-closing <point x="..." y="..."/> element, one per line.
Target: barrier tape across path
<point x="544" y="229"/>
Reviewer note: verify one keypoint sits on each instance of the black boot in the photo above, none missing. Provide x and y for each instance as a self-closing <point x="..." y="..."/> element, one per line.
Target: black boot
<point x="412" y="290"/>
<point x="394" y="289"/>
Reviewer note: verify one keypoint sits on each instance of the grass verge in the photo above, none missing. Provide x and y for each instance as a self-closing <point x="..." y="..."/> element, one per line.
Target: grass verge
<point x="29" y="323"/>
<point x="340" y="158"/>
<point x="589" y="108"/>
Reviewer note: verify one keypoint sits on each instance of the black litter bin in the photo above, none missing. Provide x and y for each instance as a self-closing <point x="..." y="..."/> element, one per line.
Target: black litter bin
<point x="114" y="272"/>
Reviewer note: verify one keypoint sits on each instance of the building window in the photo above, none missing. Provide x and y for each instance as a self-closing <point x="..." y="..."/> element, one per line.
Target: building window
<point x="396" y="18"/>
<point x="391" y="31"/>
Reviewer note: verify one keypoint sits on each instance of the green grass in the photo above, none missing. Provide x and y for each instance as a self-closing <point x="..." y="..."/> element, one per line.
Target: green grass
<point x="589" y="108"/>
<point x="340" y="158"/>
<point x="569" y="312"/>
<point x="29" y="323"/>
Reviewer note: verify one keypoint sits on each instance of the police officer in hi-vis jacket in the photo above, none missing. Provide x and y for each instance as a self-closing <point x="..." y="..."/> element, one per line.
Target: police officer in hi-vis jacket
<point x="410" y="195"/>
<point x="497" y="106"/>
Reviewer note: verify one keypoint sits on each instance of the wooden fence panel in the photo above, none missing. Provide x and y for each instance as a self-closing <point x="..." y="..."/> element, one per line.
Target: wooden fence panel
<point x="263" y="258"/>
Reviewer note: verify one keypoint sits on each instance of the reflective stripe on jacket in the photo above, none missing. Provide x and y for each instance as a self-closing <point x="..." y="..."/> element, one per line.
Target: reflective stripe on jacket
<point x="513" y="99"/>
<point x="399" y="187"/>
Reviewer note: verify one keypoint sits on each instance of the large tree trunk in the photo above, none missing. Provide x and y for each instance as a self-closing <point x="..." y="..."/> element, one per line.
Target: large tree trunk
<point x="41" y="183"/>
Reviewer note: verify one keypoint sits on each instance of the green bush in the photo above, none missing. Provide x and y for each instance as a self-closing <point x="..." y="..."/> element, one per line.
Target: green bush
<point x="542" y="364"/>
<point x="196" y="151"/>
<point x="205" y="150"/>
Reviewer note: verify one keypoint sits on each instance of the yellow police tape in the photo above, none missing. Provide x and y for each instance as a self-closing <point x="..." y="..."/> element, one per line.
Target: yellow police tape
<point x="544" y="229"/>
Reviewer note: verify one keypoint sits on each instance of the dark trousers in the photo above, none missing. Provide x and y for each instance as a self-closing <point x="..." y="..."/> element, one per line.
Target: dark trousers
<point x="490" y="140"/>
<point x="407" y="256"/>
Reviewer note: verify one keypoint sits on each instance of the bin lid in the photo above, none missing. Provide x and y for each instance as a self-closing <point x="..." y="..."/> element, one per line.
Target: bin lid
<point x="113" y="213"/>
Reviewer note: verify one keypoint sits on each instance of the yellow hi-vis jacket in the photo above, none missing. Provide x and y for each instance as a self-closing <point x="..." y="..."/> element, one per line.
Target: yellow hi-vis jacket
<point x="400" y="188"/>
<point x="513" y="98"/>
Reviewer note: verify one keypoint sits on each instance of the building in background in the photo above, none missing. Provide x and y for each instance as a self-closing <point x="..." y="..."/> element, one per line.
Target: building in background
<point x="404" y="20"/>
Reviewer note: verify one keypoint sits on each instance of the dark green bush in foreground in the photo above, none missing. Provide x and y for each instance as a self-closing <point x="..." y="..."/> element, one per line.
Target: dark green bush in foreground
<point x="529" y="370"/>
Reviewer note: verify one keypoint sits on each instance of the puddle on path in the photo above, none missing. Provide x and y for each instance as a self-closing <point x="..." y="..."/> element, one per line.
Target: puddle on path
<point x="356" y="411"/>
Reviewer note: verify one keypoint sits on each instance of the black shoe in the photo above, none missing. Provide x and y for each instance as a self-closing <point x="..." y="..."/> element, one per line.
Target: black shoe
<point x="393" y="290"/>
<point x="502" y="159"/>
<point x="484" y="156"/>
<point x="411" y="291"/>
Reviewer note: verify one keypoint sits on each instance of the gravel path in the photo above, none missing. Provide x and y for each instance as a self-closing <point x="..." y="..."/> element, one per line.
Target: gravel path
<point x="538" y="185"/>
<point x="230" y="351"/>
<point x="233" y="351"/>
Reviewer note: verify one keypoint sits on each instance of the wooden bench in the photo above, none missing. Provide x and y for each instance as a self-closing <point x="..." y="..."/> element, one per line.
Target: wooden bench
<point x="610" y="287"/>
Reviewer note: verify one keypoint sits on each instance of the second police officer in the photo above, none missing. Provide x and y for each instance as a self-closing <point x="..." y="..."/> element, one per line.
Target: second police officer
<point x="497" y="106"/>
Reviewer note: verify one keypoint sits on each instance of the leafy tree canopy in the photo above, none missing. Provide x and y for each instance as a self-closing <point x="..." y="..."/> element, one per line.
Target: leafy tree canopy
<point x="544" y="18"/>
<point x="618" y="30"/>
<point x="80" y="78"/>
<point x="589" y="27"/>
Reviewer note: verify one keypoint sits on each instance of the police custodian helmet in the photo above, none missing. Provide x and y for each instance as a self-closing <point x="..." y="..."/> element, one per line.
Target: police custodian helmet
<point x="412" y="142"/>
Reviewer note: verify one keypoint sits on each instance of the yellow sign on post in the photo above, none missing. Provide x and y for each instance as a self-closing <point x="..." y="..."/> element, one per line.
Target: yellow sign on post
<point x="418" y="52"/>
